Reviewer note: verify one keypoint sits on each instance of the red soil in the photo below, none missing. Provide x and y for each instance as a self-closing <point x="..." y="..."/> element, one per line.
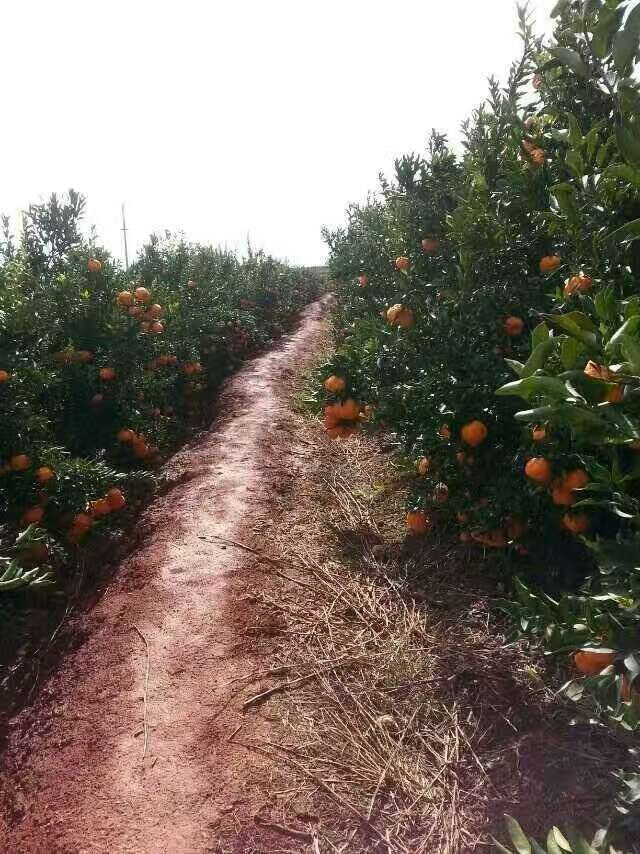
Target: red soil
<point x="74" y="763"/>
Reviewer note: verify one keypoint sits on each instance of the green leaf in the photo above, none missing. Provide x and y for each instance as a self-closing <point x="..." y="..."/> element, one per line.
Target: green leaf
<point x="575" y="163"/>
<point x="538" y="357"/>
<point x="517" y="835"/>
<point x="560" y="839"/>
<point x="566" y="197"/>
<point x="606" y="306"/>
<point x="540" y="334"/>
<point x="552" y="845"/>
<point x="570" y="351"/>
<point x="604" y="31"/>
<point x="571" y="59"/>
<point x="516" y="366"/>
<point x="629" y="328"/>
<point x="578" y="325"/>
<point x="628" y="142"/>
<point x="500" y="847"/>
<point x="530" y="386"/>
<point x="559" y="7"/>
<point x="625" y="47"/>
<point x="631" y="351"/>
<point x="627" y="232"/>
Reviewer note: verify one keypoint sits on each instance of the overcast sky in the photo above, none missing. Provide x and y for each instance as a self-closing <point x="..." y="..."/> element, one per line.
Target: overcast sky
<point x="232" y="117"/>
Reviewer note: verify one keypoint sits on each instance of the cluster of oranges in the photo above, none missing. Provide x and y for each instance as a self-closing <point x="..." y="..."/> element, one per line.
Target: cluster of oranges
<point x="165" y="360"/>
<point x="342" y="419"/>
<point x="138" y="305"/>
<point x="140" y="448"/>
<point x="561" y="490"/>
<point x="82" y="522"/>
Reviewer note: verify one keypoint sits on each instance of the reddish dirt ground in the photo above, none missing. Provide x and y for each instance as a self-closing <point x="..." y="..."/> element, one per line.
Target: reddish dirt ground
<point x="74" y="763"/>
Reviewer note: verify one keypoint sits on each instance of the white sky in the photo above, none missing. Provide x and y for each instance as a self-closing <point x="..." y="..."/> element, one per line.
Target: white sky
<point x="232" y="117"/>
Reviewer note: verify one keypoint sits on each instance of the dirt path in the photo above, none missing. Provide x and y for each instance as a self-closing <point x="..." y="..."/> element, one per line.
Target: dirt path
<point x="78" y="772"/>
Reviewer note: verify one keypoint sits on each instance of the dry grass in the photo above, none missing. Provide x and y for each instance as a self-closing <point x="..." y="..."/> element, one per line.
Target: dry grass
<point x="398" y="703"/>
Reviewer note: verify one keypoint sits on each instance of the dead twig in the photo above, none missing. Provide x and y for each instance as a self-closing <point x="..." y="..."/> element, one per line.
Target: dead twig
<point x="146" y="691"/>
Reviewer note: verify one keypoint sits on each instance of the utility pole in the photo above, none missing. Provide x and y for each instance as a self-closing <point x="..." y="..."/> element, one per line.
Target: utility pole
<point x="124" y="235"/>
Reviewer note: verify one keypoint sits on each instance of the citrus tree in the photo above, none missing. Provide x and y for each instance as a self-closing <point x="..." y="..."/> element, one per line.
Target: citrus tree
<point x="513" y="266"/>
<point x="103" y="371"/>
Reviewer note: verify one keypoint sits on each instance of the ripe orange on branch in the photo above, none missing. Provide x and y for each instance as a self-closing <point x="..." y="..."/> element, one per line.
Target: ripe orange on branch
<point x="93" y="265"/>
<point x="590" y="662"/>
<point x="19" y="462"/>
<point x="513" y="326"/>
<point x="4" y="376"/>
<point x="107" y="374"/>
<point x="398" y="315"/>
<point x="418" y="522"/>
<point x="142" y="295"/>
<point x="363" y="281"/>
<point x="116" y="498"/>
<point x="538" y="469"/>
<point x="402" y="263"/>
<point x="474" y="433"/>
<point x="577" y="523"/>
<point x="125" y="299"/>
<point x="334" y="384"/>
<point x="44" y="474"/>
<point x="550" y="263"/>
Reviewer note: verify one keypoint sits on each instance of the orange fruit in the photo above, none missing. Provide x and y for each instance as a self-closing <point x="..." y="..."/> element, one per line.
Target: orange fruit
<point x="538" y="469"/>
<point x="417" y="522"/>
<point x="538" y="434"/>
<point x="579" y="284"/>
<point x="550" y="263"/>
<point x="19" y="462"/>
<point x="363" y="281"/>
<point x="33" y="515"/>
<point x="513" y="326"/>
<point x="157" y="327"/>
<point x="474" y="433"/>
<point x="590" y="662"/>
<point x="100" y="507"/>
<point x="575" y="479"/>
<point x="107" y="374"/>
<point x="402" y="263"/>
<point x="562" y="496"/>
<point x="116" y="498"/>
<point x="126" y="435"/>
<point x="4" y="376"/>
<point x="577" y="523"/>
<point x="191" y="284"/>
<point x="142" y="295"/>
<point x="430" y="245"/>
<point x="44" y="474"/>
<point x="135" y="311"/>
<point x="444" y="431"/>
<point x="334" y="384"/>
<point x="125" y="299"/>
<point x="155" y="310"/>
<point x="423" y="465"/>
<point x="394" y="312"/>
<point x="83" y="357"/>
<point x="615" y="394"/>
<point x="93" y="265"/>
<point x="537" y="156"/>
<point x="82" y="521"/>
